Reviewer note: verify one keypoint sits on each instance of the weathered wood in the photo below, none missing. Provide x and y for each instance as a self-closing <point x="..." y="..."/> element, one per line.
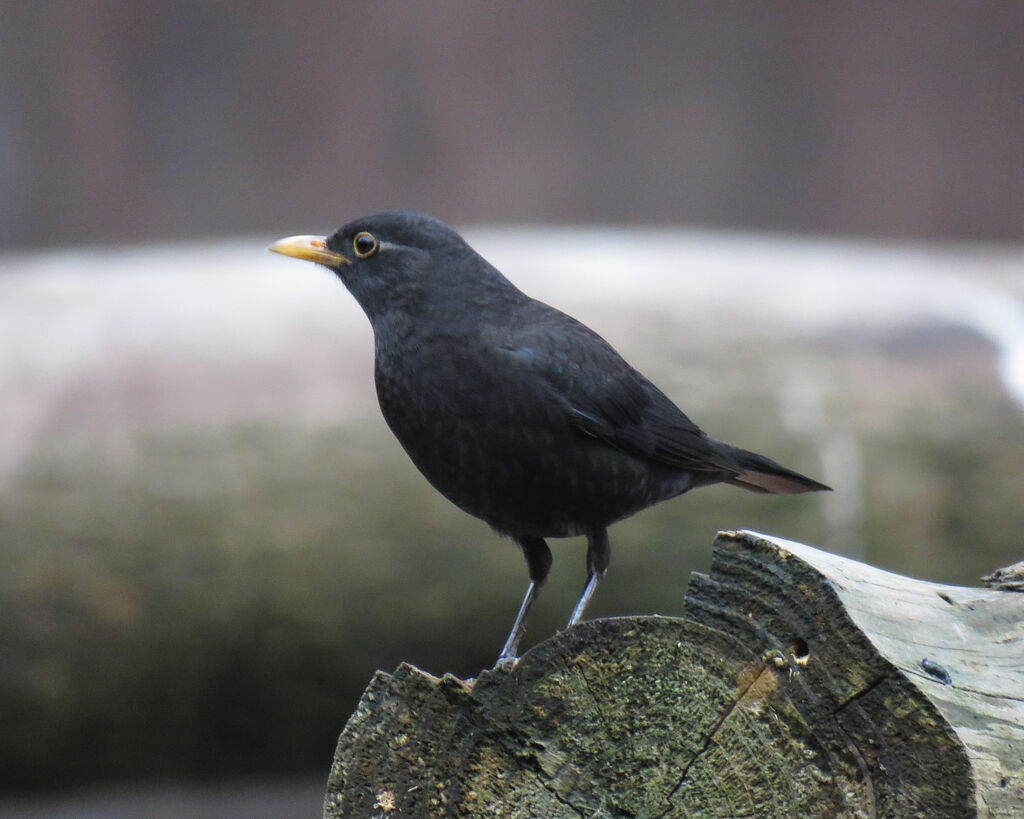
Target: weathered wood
<point x="1009" y="578"/>
<point x="876" y="645"/>
<point x="798" y="684"/>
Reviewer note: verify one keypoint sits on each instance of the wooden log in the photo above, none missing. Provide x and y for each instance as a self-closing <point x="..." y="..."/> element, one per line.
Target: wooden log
<point x="799" y="683"/>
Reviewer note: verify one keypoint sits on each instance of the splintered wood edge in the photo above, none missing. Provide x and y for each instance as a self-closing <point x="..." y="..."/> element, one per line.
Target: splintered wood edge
<point x="1008" y="578"/>
<point x="962" y="647"/>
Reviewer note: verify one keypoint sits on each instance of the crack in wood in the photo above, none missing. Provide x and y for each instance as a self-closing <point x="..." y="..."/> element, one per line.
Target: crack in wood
<point x="863" y="764"/>
<point x="709" y="739"/>
<point x="954" y="686"/>
<point x="549" y="786"/>
<point x="862" y="693"/>
<point x="597" y="705"/>
<point x="542" y="776"/>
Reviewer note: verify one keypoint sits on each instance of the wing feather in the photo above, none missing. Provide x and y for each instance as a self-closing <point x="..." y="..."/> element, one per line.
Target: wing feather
<point x="604" y="397"/>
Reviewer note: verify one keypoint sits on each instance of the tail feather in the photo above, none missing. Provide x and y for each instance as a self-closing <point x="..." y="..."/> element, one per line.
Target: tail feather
<point x="761" y="474"/>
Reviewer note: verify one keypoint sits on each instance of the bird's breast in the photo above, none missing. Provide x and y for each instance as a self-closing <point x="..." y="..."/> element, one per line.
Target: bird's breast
<point x="503" y="448"/>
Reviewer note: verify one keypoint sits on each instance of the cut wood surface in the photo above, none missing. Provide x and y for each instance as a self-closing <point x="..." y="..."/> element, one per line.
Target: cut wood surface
<point x="797" y="683"/>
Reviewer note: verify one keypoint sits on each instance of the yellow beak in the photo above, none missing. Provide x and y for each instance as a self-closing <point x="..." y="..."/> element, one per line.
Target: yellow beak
<point x="310" y="249"/>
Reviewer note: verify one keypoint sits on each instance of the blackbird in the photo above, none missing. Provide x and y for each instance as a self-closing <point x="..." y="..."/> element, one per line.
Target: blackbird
<point x="514" y="411"/>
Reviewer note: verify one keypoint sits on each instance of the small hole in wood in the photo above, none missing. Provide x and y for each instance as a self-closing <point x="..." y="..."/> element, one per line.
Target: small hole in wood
<point x="800" y="650"/>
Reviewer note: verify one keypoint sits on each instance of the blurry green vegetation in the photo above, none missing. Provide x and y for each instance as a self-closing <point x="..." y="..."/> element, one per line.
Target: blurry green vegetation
<point x="209" y="605"/>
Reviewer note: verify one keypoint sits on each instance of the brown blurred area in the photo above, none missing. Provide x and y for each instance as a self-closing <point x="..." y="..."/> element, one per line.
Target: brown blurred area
<point x="153" y="120"/>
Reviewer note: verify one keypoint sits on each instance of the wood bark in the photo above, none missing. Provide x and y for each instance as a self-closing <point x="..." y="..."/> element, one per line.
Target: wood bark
<point x="798" y="683"/>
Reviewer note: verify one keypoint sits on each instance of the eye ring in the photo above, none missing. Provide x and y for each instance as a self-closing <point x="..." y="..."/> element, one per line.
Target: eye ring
<point x="365" y="245"/>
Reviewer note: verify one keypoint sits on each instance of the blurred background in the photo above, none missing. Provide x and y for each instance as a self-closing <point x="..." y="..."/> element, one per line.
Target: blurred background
<point x="805" y="221"/>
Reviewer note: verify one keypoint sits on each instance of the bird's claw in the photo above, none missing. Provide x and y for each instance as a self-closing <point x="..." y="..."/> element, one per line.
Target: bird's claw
<point x="506" y="664"/>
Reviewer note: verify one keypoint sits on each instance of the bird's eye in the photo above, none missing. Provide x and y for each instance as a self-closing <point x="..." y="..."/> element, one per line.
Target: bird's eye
<point x="365" y="245"/>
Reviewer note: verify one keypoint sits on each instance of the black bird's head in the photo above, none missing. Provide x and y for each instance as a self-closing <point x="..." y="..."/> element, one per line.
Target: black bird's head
<point x="401" y="260"/>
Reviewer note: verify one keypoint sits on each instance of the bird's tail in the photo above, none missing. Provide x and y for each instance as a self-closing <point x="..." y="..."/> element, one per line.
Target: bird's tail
<point x="761" y="474"/>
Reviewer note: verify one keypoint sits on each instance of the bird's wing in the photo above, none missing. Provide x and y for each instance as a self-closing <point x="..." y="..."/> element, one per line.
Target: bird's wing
<point x="604" y="397"/>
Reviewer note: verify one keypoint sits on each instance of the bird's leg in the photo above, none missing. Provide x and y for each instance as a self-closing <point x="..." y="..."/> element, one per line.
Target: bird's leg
<point x="599" y="553"/>
<point x="538" y="561"/>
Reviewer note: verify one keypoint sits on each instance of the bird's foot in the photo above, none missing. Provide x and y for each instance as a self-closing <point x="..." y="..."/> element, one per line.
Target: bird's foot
<point x="506" y="663"/>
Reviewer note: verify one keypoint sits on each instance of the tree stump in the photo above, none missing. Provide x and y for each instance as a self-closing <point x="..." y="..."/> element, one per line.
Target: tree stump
<point x="798" y="684"/>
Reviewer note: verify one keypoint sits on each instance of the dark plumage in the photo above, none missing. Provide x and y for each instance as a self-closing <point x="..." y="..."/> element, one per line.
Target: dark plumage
<point x="514" y="411"/>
